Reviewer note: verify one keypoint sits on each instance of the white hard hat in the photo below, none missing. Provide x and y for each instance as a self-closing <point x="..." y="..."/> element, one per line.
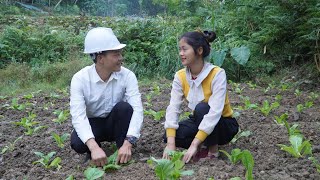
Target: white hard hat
<point x="101" y="39"/>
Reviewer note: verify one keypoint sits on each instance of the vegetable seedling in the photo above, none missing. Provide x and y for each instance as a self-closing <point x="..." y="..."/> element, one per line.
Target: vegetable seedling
<point x="62" y="116"/>
<point x="93" y="173"/>
<point x="267" y="108"/>
<point x="10" y="146"/>
<point x="60" y="140"/>
<point x="45" y="160"/>
<point x="298" y="148"/>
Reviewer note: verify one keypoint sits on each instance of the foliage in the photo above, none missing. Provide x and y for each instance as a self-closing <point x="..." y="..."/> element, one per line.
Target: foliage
<point x="282" y="119"/>
<point x="315" y="162"/>
<point x="112" y="162"/>
<point x="235" y="155"/>
<point x="301" y="107"/>
<point x="28" y="123"/>
<point x="266" y="108"/>
<point x="241" y="134"/>
<point x="298" y="147"/>
<point x="170" y="169"/>
<point x="93" y="173"/>
<point x="10" y="146"/>
<point x="60" y="140"/>
<point x="45" y="160"/>
<point x="246" y="158"/>
<point x="157" y="115"/>
<point x="63" y="115"/>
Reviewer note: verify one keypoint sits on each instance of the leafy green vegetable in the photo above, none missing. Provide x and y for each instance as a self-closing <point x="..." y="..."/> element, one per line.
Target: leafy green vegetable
<point x="62" y="116"/>
<point x="170" y="169"/>
<point x="282" y="119"/>
<point x="60" y="140"/>
<point x="235" y="155"/>
<point x="10" y="147"/>
<point x="267" y="108"/>
<point x="156" y="115"/>
<point x="241" y="134"/>
<point x="298" y="148"/>
<point x="93" y="173"/>
<point x="45" y="160"/>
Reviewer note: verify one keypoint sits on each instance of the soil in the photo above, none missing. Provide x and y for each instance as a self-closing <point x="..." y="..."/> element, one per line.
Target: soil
<point x="271" y="163"/>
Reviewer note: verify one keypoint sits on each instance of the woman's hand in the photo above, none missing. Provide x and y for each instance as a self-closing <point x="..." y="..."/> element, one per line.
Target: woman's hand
<point x="192" y="150"/>
<point x="171" y="146"/>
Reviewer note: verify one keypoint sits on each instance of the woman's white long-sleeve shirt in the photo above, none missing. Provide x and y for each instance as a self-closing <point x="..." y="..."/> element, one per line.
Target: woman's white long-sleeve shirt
<point x="90" y="97"/>
<point x="195" y="96"/>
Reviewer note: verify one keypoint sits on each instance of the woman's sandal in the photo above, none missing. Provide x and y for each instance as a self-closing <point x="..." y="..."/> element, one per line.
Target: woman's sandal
<point x="213" y="155"/>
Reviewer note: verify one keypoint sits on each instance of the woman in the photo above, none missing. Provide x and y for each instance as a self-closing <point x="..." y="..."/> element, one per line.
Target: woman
<point x="204" y="86"/>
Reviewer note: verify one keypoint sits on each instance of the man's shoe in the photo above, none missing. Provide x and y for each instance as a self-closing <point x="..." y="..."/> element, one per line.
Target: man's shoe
<point x="87" y="158"/>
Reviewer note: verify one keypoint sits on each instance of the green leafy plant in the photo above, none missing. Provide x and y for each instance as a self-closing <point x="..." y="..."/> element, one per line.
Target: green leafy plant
<point x="282" y="119"/>
<point x="62" y="116"/>
<point x="15" y="105"/>
<point x="235" y="155"/>
<point x="298" y="148"/>
<point x="267" y="108"/>
<point x="112" y="162"/>
<point x="170" y="169"/>
<point x="315" y="162"/>
<point x="185" y="115"/>
<point x="45" y="160"/>
<point x="247" y="103"/>
<point x="92" y="173"/>
<point x="28" y="123"/>
<point x="156" y="115"/>
<point x="28" y="96"/>
<point x="298" y="93"/>
<point x="241" y="134"/>
<point x="278" y="98"/>
<point x="248" y="162"/>
<point x="313" y="96"/>
<point x="284" y="87"/>
<point x="71" y="177"/>
<point x="301" y="107"/>
<point x="252" y="85"/>
<point x="246" y="158"/>
<point x="10" y="146"/>
<point x="60" y="140"/>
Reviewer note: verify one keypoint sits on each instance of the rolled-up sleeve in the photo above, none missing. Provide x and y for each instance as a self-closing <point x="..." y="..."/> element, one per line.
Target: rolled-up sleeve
<point x="80" y="120"/>
<point x="133" y="97"/>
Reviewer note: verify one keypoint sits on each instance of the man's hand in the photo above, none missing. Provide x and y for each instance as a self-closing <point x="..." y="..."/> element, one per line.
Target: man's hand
<point x="124" y="153"/>
<point x="171" y="146"/>
<point x="192" y="150"/>
<point x="98" y="156"/>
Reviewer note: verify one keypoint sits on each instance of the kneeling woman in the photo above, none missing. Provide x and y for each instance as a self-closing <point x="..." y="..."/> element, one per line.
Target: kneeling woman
<point x="204" y="86"/>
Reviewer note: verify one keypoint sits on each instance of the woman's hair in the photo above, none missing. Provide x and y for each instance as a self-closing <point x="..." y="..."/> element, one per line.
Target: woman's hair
<point x="198" y="39"/>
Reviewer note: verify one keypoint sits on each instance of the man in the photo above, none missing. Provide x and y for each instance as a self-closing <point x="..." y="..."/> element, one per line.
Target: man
<point x="105" y="103"/>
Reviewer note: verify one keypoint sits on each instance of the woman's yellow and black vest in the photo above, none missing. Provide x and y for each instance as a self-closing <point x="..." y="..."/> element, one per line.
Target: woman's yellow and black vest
<point x="206" y="87"/>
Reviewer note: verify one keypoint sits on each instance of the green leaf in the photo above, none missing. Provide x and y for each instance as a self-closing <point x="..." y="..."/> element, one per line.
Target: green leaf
<point x="241" y="55"/>
<point x="55" y="163"/>
<point x="187" y="173"/>
<point x="93" y="173"/>
<point x="218" y="56"/>
<point x="71" y="177"/>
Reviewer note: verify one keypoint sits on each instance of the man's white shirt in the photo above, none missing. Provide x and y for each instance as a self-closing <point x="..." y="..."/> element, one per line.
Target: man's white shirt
<point x="91" y="97"/>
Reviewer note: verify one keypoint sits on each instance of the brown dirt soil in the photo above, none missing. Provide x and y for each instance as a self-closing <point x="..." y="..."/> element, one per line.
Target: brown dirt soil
<point x="270" y="162"/>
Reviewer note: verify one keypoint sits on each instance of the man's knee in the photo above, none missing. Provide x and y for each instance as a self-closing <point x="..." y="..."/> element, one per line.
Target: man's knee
<point x="123" y="107"/>
<point x="77" y="144"/>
